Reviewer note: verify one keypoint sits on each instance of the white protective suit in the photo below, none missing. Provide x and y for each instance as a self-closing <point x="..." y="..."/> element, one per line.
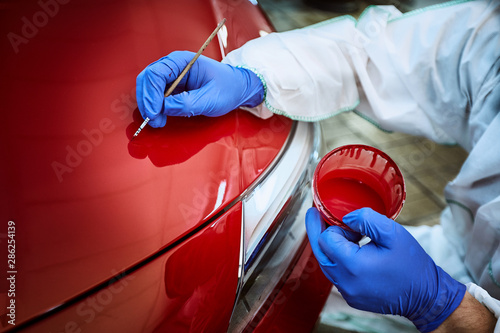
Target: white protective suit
<point x="433" y="72"/>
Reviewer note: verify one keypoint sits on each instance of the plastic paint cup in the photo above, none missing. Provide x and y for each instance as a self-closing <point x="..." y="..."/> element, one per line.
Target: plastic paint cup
<point x="356" y="176"/>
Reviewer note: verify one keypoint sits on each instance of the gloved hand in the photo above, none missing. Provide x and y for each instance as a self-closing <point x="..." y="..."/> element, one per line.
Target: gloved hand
<point x="391" y="275"/>
<point x="210" y="88"/>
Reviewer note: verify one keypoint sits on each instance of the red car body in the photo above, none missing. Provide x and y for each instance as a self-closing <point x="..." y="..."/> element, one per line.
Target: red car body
<point x="103" y="234"/>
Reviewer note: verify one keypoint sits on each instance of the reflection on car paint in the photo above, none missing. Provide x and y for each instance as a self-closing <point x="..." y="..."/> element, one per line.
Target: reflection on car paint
<point x="84" y="206"/>
<point x="188" y="288"/>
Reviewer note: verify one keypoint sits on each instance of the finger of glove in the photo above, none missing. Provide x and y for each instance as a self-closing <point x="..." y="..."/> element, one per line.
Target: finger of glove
<point x="378" y="227"/>
<point x="334" y="244"/>
<point x="314" y="227"/>
<point x="193" y="103"/>
<point x="149" y="91"/>
<point x="159" y="121"/>
<point x="350" y="235"/>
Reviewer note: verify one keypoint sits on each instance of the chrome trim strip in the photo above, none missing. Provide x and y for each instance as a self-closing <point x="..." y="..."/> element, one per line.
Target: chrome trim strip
<point x="273" y="164"/>
<point x="274" y="261"/>
<point x="248" y="190"/>
<point x="298" y="177"/>
<point x="269" y="237"/>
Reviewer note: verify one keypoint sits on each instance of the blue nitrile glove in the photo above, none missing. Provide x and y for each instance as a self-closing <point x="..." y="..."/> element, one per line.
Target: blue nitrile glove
<point x="391" y="275"/>
<point x="210" y="88"/>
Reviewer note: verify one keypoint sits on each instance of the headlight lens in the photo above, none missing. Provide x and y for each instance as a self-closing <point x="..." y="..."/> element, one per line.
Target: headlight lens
<point x="273" y="221"/>
<point x="263" y="204"/>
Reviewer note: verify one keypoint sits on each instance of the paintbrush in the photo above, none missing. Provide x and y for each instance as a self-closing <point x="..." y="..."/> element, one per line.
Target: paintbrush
<point x="184" y="71"/>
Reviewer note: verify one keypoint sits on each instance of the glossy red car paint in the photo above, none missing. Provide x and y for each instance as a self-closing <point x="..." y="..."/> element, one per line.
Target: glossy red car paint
<point x="88" y="204"/>
<point x="189" y="288"/>
<point x="300" y="294"/>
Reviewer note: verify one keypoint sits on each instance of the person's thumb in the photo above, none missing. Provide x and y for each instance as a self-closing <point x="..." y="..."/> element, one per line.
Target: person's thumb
<point x="314" y="227"/>
<point x="336" y="246"/>
<point x="368" y="222"/>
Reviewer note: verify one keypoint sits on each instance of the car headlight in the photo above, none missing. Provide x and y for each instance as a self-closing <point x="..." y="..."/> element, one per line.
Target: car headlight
<point x="273" y="221"/>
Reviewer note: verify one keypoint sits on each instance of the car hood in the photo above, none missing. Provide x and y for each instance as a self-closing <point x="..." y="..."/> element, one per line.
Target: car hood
<point x="86" y="201"/>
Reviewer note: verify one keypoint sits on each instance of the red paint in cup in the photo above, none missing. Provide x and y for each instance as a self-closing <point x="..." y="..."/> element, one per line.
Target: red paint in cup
<point x="356" y="176"/>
